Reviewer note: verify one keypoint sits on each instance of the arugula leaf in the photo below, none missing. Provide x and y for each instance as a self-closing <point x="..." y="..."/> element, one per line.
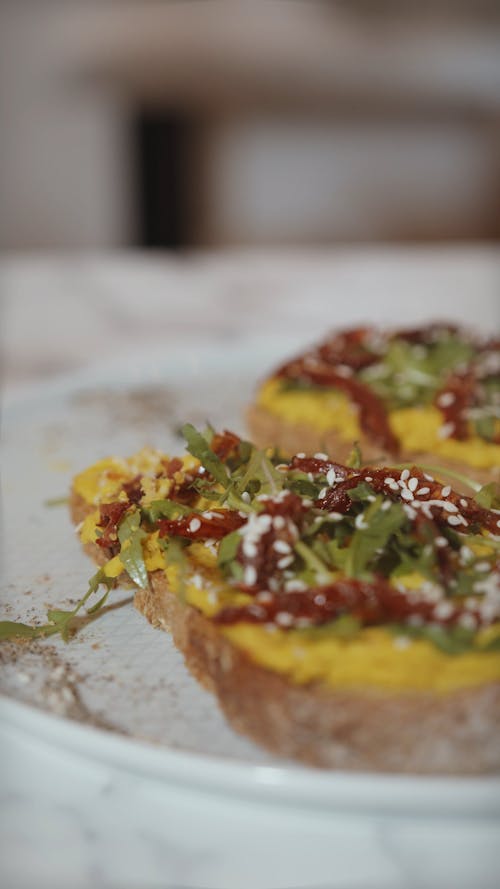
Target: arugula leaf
<point x="56" y="501"/>
<point x="228" y="548"/>
<point x="489" y="496"/>
<point x="344" y="627"/>
<point x="131" y="535"/>
<point x="174" y="550"/>
<point x="313" y="562"/>
<point x="378" y="527"/>
<point x="355" y="458"/>
<point x="261" y="475"/>
<point x="451" y="640"/>
<point x="59" y="621"/>
<point x="165" y="509"/>
<point x="485" y="428"/>
<point x="11" y="629"/>
<point x="197" y="446"/>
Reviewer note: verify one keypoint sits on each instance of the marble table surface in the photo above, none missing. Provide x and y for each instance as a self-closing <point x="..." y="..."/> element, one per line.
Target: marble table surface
<point x="73" y="820"/>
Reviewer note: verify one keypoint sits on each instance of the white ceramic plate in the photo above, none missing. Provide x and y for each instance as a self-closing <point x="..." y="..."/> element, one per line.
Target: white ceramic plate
<point x="119" y="692"/>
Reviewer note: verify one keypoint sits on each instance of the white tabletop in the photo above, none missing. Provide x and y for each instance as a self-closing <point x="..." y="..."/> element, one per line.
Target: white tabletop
<point x="69" y="819"/>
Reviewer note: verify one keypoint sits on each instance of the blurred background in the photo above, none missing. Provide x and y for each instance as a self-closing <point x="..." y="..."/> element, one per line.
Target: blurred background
<point x="212" y="124"/>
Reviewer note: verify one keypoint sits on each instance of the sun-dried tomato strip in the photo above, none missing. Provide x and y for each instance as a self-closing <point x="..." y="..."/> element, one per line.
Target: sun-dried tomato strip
<point x="224" y="444"/>
<point x="202" y="527"/>
<point x="110" y="517"/>
<point x="371" y="602"/>
<point x="372" y="413"/>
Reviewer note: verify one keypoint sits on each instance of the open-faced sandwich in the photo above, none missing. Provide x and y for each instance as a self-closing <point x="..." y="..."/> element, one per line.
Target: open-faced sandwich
<point x="407" y="394"/>
<point x="347" y="616"/>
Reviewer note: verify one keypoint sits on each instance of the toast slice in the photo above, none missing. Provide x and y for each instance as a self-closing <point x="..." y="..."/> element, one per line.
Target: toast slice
<point x="424" y="394"/>
<point x="348" y="618"/>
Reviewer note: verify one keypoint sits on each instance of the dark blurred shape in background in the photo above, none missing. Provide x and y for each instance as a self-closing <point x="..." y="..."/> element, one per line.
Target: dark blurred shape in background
<point x="207" y="124"/>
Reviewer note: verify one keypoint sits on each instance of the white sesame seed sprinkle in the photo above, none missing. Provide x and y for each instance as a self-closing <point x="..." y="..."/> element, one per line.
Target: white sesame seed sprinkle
<point x="456" y="520"/>
<point x="405" y="475"/>
<point x="284" y="619"/>
<point x="360" y="523"/>
<point x="331" y="477"/>
<point x="413" y="484"/>
<point x="246" y="497"/>
<point x="446" y="430"/>
<point x="440" y="542"/>
<point x="446" y="491"/>
<point x="281" y="546"/>
<point x="285" y="561"/>
<point x="406" y="494"/>
<point x="250" y="575"/>
<point x="446" y="399"/>
<point x="321" y="456"/>
<point x="301" y="455"/>
<point x="422" y="491"/>
<point x="194" y="525"/>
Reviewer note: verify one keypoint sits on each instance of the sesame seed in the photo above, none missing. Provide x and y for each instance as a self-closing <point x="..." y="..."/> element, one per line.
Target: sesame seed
<point x="281" y="546"/>
<point x="245" y="497"/>
<point x="413" y="484"/>
<point x="463" y="502"/>
<point x="301" y="455"/>
<point x="295" y="586"/>
<point x="250" y="575"/>
<point x="482" y="566"/>
<point x="360" y="523"/>
<point x="405" y="475"/>
<point x="322" y="493"/>
<point x="257" y="610"/>
<point x="422" y="491"/>
<point x="443" y="610"/>
<point x="321" y="456"/>
<point x="334" y="516"/>
<point x="285" y="561"/>
<point x="449" y="507"/>
<point x="264" y="596"/>
<point x="278" y="522"/>
<point x="456" y="520"/>
<point x="430" y="478"/>
<point x="468" y="621"/>
<point x="445" y="399"/>
<point x="194" y="525"/>
<point x="320" y="599"/>
<point x="440" y="542"/>
<point x="249" y="549"/>
<point x="331" y="477"/>
<point x="406" y="494"/>
<point x="385" y="505"/>
<point x="284" y="619"/>
<point x="446" y="430"/>
<point x="368" y="478"/>
<point x="446" y="491"/>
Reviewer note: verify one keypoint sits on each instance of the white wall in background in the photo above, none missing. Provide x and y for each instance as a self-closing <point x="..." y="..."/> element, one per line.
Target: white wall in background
<point x="326" y="180"/>
<point x="63" y="152"/>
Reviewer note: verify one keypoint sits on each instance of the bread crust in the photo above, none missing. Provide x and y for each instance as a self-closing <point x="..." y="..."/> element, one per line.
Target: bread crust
<point x="360" y="729"/>
<point x="266" y="430"/>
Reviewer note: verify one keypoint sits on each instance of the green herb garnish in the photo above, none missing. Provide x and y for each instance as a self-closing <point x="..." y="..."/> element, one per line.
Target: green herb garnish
<point x="62" y="622"/>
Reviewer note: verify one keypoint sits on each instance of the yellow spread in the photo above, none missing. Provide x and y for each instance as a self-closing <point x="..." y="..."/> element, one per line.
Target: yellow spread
<point x="416" y="428"/>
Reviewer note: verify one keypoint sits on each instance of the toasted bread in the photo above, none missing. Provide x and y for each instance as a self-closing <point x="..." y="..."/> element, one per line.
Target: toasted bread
<point x="401" y="723"/>
<point x="423" y="395"/>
